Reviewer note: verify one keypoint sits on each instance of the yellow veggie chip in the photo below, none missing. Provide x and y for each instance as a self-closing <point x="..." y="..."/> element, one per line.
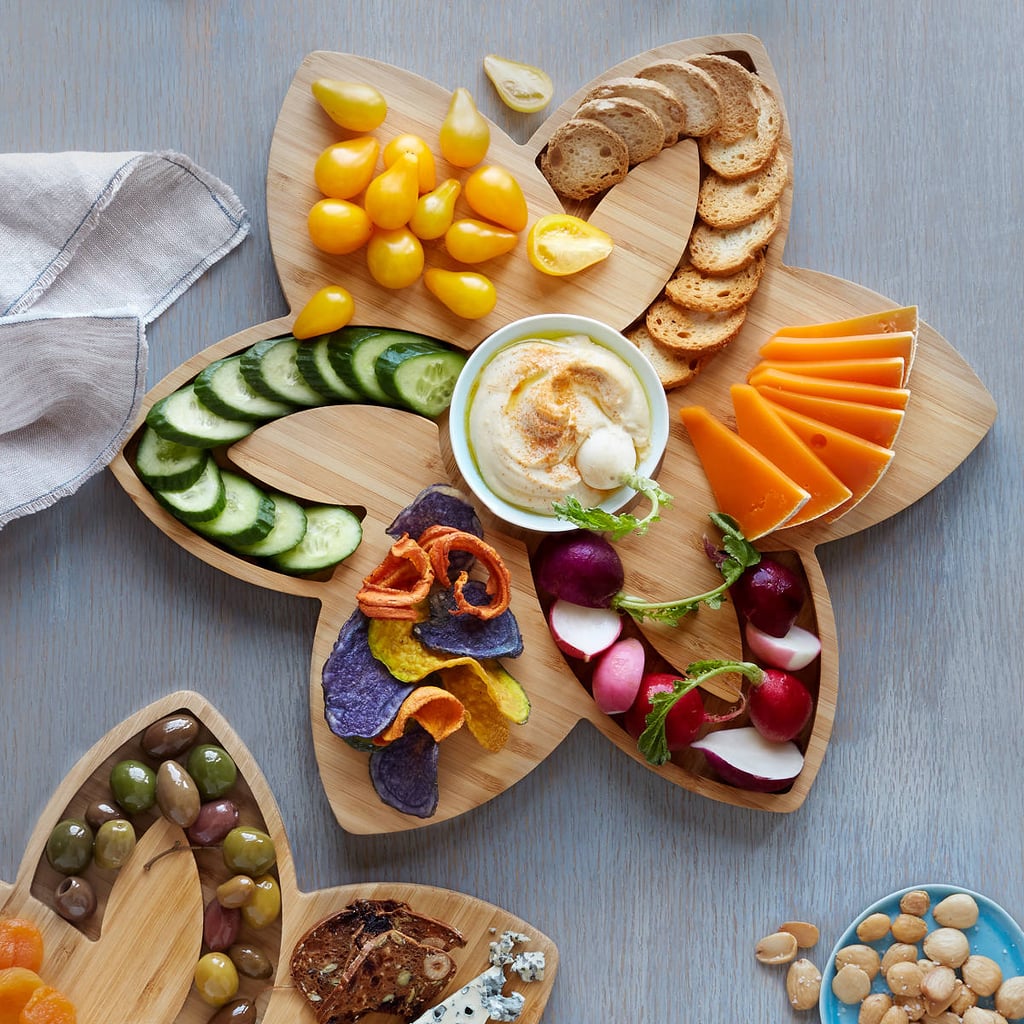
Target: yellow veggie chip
<point x="483" y="719"/>
<point x="439" y="712"/>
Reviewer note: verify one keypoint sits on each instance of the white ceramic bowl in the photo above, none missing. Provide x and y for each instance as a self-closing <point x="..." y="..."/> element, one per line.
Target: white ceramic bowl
<point x="550" y="325"/>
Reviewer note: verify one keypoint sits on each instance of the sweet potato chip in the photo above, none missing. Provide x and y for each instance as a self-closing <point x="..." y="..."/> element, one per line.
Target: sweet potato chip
<point x="439" y="712"/>
<point x="485" y="722"/>
<point x="404" y="773"/>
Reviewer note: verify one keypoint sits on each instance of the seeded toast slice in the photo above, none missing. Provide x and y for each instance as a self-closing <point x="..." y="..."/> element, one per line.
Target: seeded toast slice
<point x="583" y="158"/>
<point x="695" y="89"/>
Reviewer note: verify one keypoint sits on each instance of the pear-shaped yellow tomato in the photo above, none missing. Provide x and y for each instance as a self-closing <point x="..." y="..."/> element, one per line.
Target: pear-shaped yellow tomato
<point x="473" y="241"/>
<point x="357" y="106"/>
<point x="465" y="134"/>
<point x="560" y="244"/>
<point x="425" y="167"/>
<point x="522" y="87"/>
<point x="390" y="199"/>
<point x="328" y="310"/>
<point x="338" y="226"/>
<point x="394" y="258"/>
<point x="344" y="169"/>
<point x="435" y="211"/>
<point x="467" y="294"/>
<point x="494" y="194"/>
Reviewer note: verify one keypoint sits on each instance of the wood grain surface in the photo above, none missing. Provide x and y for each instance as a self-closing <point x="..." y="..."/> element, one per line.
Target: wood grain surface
<point x="891" y="114"/>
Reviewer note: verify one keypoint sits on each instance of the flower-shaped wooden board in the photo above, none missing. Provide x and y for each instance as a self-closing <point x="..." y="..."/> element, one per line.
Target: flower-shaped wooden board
<point x="378" y="459"/>
<point x="134" y="959"/>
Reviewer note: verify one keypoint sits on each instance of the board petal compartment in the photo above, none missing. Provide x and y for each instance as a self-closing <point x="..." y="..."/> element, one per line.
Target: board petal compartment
<point x="135" y="959"/>
<point x="333" y="453"/>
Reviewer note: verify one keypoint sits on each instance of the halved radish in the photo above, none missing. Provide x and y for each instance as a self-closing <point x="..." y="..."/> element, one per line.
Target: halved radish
<point x="583" y="632"/>
<point x="795" y="650"/>
<point x="744" y="758"/>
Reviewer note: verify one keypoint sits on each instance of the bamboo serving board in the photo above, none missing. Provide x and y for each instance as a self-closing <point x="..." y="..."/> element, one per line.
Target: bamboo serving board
<point x="335" y="454"/>
<point x="134" y="960"/>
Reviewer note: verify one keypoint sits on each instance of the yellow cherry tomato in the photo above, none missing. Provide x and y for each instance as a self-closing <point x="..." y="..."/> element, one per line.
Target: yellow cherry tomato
<point x="357" y="106"/>
<point x="391" y="197"/>
<point x="520" y="86"/>
<point x="467" y="294"/>
<point x="473" y="241"/>
<point x="494" y="194"/>
<point x="560" y="244"/>
<point x="345" y="169"/>
<point x="425" y="167"/>
<point x="394" y="258"/>
<point x="338" y="226"/>
<point x="465" y="134"/>
<point x="435" y="211"/>
<point x="328" y="310"/>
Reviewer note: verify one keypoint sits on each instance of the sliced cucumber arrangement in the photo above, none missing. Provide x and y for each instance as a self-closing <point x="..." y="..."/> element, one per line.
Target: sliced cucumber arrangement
<point x="167" y="465"/>
<point x="181" y="417"/>
<point x="247" y="515"/>
<point x="332" y="534"/>
<point x="315" y="366"/>
<point x="419" y="375"/>
<point x="223" y="389"/>
<point x="270" y="368"/>
<point x="202" y="502"/>
<point x="288" y="530"/>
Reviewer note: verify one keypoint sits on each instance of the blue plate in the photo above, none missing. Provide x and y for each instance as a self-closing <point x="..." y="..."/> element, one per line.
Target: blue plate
<point x="996" y="935"/>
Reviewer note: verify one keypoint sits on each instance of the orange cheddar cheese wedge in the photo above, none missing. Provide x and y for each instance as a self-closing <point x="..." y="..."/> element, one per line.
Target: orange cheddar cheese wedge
<point x="874" y="423"/>
<point x="901" y="345"/>
<point x="858" y="463"/>
<point x="888" y="321"/>
<point x="761" y="426"/>
<point x="848" y="390"/>
<point x="888" y="371"/>
<point x="746" y="484"/>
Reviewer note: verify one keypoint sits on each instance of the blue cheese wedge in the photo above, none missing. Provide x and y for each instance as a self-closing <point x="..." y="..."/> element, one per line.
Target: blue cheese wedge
<point x="474" y="1002"/>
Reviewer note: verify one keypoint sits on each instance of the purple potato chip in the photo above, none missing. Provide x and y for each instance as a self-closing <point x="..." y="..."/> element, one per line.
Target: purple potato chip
<point x="466" y="634"/>
<point x="404" y="773"/>
<point x="439" y="505"/>
<point x="361" y="697"/>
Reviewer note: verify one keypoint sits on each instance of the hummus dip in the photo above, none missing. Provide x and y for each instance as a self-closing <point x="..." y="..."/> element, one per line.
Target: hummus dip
<point x="557" y="417"/>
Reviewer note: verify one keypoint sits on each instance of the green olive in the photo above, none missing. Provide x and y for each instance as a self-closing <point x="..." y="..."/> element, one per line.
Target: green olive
<point x="133" y="785"/>
<point x="213" y="770"/>
<point x="248" y="851"/>
<point x="251" y="961"/>
<point x="170" y="737"/>
<point x="69" y="847"/>
<point x="216" y="979"/>
<point x="236" y="891"/>
<point x="265" y="906"/>
<point x="114" y="843"/>
<point x="177" y="795"/>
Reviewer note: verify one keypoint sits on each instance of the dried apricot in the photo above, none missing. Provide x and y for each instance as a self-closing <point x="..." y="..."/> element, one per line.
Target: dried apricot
<point x="47" y="1005"/>
<point x="16" y="987"/>
<point x="21" y="943"/>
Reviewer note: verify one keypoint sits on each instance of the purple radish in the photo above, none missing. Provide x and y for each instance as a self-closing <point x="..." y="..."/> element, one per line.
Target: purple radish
<point x="769" y="595"/>
<point x="744" y="758"/>
<point x="796" y="650"/>
<point x="581" y="567"/>
<point x="583" y="632"/>
<point x="780" y="705"/>
<point x="617" y="675"/>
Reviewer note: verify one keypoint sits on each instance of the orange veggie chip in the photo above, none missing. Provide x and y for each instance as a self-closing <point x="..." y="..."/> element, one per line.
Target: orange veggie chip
<point x="48" y="1006"/>
<point x="21" y="943"/>
<point x="16" y="987"/>
<point x="438" y="711"/>
<point x="486" y="723"/>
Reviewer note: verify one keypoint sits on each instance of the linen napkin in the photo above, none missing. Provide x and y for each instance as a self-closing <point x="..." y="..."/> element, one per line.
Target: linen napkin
<point x="93" y="247"/>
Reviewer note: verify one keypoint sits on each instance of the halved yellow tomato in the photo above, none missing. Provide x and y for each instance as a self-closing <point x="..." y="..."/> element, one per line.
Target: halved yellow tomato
<point x="328" y="310"/>
<point x="560" y="244"/>
<point x="338" y="226"/>
<point x="522" y="87"/>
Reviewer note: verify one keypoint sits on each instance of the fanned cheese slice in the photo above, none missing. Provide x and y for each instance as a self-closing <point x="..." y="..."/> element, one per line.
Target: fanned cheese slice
<point x="746" y="484"/>
<point x="900" y="345"/>
<point x="874" y="423"/>
<point x="761" y="426"/>
<point x="858" y="463"/>
<point x="848" y="390"/>
<point x="888" y="321"/>
<point x="887" y="371"/>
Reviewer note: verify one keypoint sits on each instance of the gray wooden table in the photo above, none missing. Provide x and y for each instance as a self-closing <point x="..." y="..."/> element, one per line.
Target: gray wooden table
<point x="908" y="147"/>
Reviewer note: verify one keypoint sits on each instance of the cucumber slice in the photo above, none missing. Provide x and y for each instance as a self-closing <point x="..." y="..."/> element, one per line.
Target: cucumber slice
<point x="203" y="502"/>
<point x="223" y="390"/>
<point x="332" y="534"/>
<point x="181" y="417"/>
<point x="420" y="374"/>
<point x="247" y="515"/>
<point x="353" y="352"/>
<point x="166" y="465"/>
<point x="315" y="366"/>
<point x="270" y="369"/>
<point x="289" y="528"/>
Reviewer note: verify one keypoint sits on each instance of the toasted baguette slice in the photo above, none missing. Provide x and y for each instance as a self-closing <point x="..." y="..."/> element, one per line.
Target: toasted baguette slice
<point x="694" y="289"/>
<point x="673" y="371"/>
<point x="639" y="126"/>
<point x="583" y="158"/>
<point x="736" y="87"/>
<point x="730" y="204"/>
<point x="694" y="88"/>
<point x="689" y="333"/>
<point x="658" y="97"/>
<point x="721" y="252"/>
<point x="739" y="157"/>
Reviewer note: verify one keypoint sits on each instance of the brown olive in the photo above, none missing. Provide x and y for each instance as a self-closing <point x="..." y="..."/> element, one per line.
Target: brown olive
<point x="75" y="899"/>
<point x="170" y="737"/>
<point x="240" y="1011"/>
<point x="216" y="819"/>
<point x="251" y="961"/>
<point x="176" y="794"/>
<point x="99" y="812"/>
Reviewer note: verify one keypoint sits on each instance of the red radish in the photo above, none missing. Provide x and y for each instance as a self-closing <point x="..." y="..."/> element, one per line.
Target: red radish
<point x="796" y="650"/>
<point x="617" y="676"/>
<point x="583" y="632"/>
<point x="769" y="595"/>
<point x="744" y="758"/>
<point x="581" y="567"/>
<point x="780" y="705"/>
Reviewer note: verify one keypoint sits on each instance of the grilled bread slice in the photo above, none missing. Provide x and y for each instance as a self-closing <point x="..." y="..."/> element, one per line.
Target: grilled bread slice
<point x="689" y="333"/>
<point x="722" y="203"/>
<point x="736" y="87"/>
